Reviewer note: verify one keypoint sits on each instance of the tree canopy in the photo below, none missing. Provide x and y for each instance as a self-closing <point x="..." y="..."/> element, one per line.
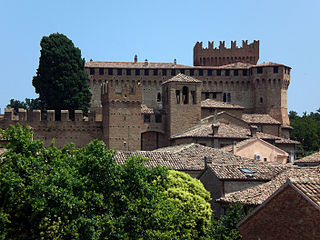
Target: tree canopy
<point x="61" y="81"/>
<point x="27" y="104"/>
<point x="82" y="193"/>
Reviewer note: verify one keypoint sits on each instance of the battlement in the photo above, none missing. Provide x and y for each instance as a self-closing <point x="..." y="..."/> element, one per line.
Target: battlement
<point x="36" y="116"/>
<point x="211" y="56"/>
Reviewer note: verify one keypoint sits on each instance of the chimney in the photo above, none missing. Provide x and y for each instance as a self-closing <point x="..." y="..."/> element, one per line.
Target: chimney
<point x="207" y="160"/>
<point x="253" y="130"/>
<point x="234" y="147"/>
<point x="146" y="62"/>
<point x="175" y="61"/>
<point x="135" y="59"/>
<point x="215" y="128"/>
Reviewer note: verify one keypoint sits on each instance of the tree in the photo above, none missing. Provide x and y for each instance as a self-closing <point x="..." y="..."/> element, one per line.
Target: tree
<point x="82" y="193"/>
<point x="61" y="81"/>
<point x="27" y="104"/>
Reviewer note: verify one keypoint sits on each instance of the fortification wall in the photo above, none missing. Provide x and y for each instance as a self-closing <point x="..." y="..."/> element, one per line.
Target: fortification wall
<point x="79" y="131"/>
<point x="211" y="56"/>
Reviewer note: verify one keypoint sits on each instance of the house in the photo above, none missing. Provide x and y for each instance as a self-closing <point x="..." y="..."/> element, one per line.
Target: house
<point x="291" y="212"/>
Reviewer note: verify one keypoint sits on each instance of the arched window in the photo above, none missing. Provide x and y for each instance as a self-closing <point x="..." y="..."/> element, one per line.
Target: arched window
<point x="159" y="97"/>
<point x="185" y="95"/>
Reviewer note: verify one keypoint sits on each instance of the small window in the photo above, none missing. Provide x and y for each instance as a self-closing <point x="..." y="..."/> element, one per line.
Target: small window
<point x="164" y="72"/>
<point x="259" y="70"/>
<point x="110" y="71"/>
<point x="182" y="71"/>
<point x="101" y="71"/>
<point x="288" y="71"/>
<point x="146" y="72"/>
<point x="261" y="99"/>
<point x="210" y="72"/>
<point x="246" y="171"/>
<point x="200" y="72"/>
<point x="91" y="71"/>
<point x="185" y="95"/>
<point x="235" y="72"/>
<point x="219" y="72"/>
<point x="206" y="95"/>
<point x="173" y="72"/>
<point x="158" y="118"/>
<point x="178" y="96"/>
<point x="275" y="69"/>
<point x="137" y="72"/>
<point x="193" y="94"/>
<point x="191" y="72"/>
<point x="228" y="97"/>
<point x="214" y="95"/>
<point x="224" y="97"/>
<point x="245" y="72"/>
<point x="227" y="72"/>
<point x="158" y="97"/>
<point x="146" y="118"/>
<point x="128" y="72"/>
<point x="259" y="128"/>
<point x="265" y="159"/>
<point x="155" y="72"/>
<point x="119" y="71"/>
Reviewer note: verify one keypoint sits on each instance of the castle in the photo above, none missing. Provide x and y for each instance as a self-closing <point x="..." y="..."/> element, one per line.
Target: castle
<point x="146" y="105"/>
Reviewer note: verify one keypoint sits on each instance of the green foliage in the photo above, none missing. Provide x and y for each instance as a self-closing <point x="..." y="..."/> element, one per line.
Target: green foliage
<point x="70" y="193"/>
<point x="61" y="80"/>
<point x="306" y="130"/>
<point x="226" y="227"/>
<point x="27" y="104"/>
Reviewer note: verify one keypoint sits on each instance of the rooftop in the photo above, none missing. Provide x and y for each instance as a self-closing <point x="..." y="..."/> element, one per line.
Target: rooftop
<point x="313" y="158"/>
<point x="104" y="64"/>
<point x="259" y="118"/>
<point x="210" y="103"/>
<point x="182" y="78"/>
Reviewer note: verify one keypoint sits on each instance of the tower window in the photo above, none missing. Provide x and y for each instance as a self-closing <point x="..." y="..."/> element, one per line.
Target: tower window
<point x="182" y="71"/>
<point x="228" y="97"/>
<point x="137" y="72"/>
<point x="227" y="72"/>
<point x="219" y="72"/>
<point x="191" y="72"/>
<point x="119" y="71"/>
<point x="158" y="97"/>
<point x="110" y="71"/>
<point x="275" y="69"/>
<point x="193" y="94"/>
<point x="206" y="95"/>
<point x="210" y="72"/>
<point x="173" y="72"/>
<point x="185" y="95"/>
<point x="128" y="72"/>
<point x="178" y="96"/>
<point x="261" y="99"/>
<point x="214" y="95"/>
<point x="235" y="72"/>
<point x="101" y="71"/>
<point x="200" y="72"/>
<point x="164" y="72"/>
<point x="146" y="72"/>
<point x="155" y="72"/>
<point x="91" y="71"/>
<point x="224" y="97"/>
<point x="244" y="72"/>
<point x="146" y="118"/>
<point x="259" y="70"/>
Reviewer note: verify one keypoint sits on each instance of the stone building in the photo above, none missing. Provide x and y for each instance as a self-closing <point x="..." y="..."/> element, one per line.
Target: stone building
<point x="144" y="105"/>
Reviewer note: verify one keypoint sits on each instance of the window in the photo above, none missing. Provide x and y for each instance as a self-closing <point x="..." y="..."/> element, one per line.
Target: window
<point x="206" y="95"/>
<point x="158" y="118"/>
<point x="146" y="118"/>
<point x="191" y="72"/>
<point x="244" y="72"/>
<point x="265" y="159"/>
<point x="275" y="69"/>
<point x="200" y="72"/>
<point x="210" y="72"/>
<point x="91" y="71"/>
<point x="259" y="70"/>
<point x="110" y="71"/>
<point x="214" y="95"/>
<point x="158" y="97"/>
<point x="219" y="72"/>
<point x="155" y="72"/>
<point x="185" y="95"/>
<point x="137" y="72"/>
<point x="194" y="99"/>
<point x="173" y="72"/>
<point x="128" y="72"/>
<point x="224" y="97"/>
<point x="246" y="171"/>
<point x="182" y="71"/>
<point x="228" y="97"/>
<point x="259" y="128"/>
<point x="119" y="71"/>
<point x="235" y="72"/>
<point x="146" y="72"/>
<point x="178" y="96"/>
<point x="164" y="72"/>
<point x="261" y="99"/>
<point x="227" y="72"/>
<point x="101" y="71"/>
<point x="288" y="71"/>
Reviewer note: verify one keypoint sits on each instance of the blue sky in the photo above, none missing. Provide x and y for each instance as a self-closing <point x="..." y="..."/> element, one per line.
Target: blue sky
<point x="289" y="33"/>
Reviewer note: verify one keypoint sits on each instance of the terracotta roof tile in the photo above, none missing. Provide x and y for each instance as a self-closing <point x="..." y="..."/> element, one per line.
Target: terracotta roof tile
<point x="266" y="64"/>
<point x="310" y="187"/>
<point x="259" y="118"/>
<point x="313" y="158"/>
<point x="182" y="78"/>
<point x="146" y="110"/>
<point x="258" y="194"/>
<point x="102" y="64"/>
<point x="210" y="103"/>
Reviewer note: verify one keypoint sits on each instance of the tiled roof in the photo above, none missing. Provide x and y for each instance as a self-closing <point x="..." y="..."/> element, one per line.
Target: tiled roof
<point x="210" y="103"/>
<point x="313" y="158"/>
<point x="146" y="110"/>
<point x="286" y="140"/>
<point x="182" y="78"/>
<point x="266" y="64"/>
<point x="102" y="64"/>
<point x="310" y="187"/>
<point x="258" y="194"/>
<point x="259" y="118"/>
